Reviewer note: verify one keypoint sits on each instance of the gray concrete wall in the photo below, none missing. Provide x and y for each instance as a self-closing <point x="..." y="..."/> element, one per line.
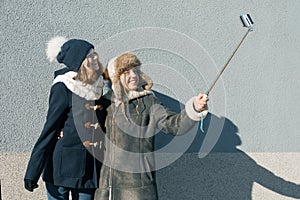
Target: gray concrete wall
<point x="183" y="45"/>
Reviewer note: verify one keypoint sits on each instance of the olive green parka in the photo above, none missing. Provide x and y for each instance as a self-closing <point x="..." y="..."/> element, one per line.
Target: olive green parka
<point x="128" y="167"/>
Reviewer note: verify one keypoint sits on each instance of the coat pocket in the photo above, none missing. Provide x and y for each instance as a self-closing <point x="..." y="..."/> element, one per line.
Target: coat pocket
<point x="73" y="162"/>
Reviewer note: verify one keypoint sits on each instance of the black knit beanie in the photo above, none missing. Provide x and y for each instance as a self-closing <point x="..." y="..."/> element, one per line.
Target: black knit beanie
<point x="73" y="52"/>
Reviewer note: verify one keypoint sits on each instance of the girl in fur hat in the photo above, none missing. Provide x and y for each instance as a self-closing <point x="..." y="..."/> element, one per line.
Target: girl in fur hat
<point x="131" y="123"/>
<point x="71" y="138"/>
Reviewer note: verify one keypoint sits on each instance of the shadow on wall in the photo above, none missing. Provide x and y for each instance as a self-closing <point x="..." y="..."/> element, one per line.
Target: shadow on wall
<point x="225" y="173"/>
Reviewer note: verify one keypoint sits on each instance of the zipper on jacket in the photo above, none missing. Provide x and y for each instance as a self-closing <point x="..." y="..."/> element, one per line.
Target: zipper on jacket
<point x="110" y="193"/>
<point x="110" y="168"/>
<point x="112" y="138"/>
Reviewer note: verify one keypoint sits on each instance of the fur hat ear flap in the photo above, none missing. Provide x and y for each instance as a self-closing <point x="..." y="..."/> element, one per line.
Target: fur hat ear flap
<point x="118" y="90"/>
<point x="146" y="81"/>
<point x="54" y="47"/>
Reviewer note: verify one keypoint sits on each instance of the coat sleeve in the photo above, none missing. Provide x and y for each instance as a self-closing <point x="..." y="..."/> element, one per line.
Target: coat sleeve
<point x="175" y="123"/>
<point x="58" y="106"/>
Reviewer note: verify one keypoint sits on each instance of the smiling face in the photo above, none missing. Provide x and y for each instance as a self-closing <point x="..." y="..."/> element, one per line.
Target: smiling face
<point x="91" y="68"/>
<point x="130" y="79"/>
<point x="92" y="60"/>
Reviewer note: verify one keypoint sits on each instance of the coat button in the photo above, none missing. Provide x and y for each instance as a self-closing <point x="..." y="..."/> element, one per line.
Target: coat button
<point x="89" y="125"/>
<point x="92" y="144"/>
<point x="96" y="107"/>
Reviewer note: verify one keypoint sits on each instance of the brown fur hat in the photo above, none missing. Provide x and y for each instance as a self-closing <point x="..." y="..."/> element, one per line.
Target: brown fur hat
<point x="118" y="66"/>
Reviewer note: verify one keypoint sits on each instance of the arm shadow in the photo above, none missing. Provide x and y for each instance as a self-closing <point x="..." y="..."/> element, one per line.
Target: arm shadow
<point x="225" y="173"/>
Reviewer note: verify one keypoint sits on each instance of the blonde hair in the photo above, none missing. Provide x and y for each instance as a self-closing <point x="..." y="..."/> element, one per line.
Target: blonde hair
<point x="86" y="74"/>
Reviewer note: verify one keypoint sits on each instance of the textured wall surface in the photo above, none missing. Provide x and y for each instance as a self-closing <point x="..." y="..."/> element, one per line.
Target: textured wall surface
<point x="183" y="45"/>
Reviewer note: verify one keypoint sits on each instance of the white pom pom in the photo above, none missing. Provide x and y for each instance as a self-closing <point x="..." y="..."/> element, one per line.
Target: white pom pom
<point x="54" y="46"/>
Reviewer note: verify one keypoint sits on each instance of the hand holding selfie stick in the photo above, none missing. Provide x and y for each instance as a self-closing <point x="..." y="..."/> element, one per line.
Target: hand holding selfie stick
<point x="211" y="139"/>
<point x="248" y="23"/>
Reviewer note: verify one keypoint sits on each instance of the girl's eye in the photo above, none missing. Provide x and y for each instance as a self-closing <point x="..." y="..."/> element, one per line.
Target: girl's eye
<point x="91" y="55"/>
<point x="133" y="70"/>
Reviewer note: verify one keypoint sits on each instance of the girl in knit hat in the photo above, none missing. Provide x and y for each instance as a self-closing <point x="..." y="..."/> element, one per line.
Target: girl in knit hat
<point x="132" y="120"/>
<point x="71" y="138"/>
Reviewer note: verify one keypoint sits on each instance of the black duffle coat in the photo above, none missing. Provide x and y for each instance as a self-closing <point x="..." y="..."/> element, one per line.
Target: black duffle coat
<point x="72" y="159"/>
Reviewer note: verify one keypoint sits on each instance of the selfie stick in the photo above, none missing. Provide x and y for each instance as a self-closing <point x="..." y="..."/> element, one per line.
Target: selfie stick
<point x="211" y="139"/>
<point x="248" y="23"/>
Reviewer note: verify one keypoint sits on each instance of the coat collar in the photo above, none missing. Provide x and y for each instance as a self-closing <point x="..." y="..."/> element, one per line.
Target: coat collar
<point x="89" y="92"/>
<point x="134" y="94"/>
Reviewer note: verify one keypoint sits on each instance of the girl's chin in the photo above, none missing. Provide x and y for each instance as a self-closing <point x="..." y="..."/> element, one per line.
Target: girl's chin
<point x="132" y="88"/>
<point x="95" y="68"/>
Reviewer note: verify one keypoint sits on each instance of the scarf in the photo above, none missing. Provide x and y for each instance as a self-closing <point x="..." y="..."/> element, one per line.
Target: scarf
<point x="88" y="92"/>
